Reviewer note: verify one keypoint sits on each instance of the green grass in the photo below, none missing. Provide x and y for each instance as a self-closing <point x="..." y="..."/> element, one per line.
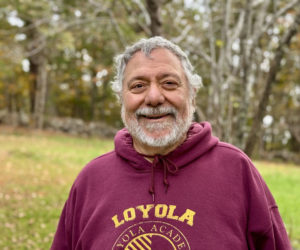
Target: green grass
<point x="284" y="183"/>
<point x="38" y="169"/>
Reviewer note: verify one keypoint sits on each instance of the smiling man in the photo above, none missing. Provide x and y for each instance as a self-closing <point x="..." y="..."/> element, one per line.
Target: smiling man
<point x="204" y="194"/>
<point x="157" y="102"/>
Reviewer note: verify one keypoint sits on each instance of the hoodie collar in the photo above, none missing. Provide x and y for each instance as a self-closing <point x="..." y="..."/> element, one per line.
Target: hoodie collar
<point x="199" y="141"/>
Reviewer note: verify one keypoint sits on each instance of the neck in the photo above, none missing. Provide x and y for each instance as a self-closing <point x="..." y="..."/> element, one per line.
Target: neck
<point x="151" y="151"/>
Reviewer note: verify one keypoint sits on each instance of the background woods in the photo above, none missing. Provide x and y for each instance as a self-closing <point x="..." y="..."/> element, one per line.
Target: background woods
<point x="56" y="61"/>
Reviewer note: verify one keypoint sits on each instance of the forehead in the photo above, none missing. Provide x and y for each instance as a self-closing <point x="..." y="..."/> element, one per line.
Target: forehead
<point x="160" y="60"/>
<point x="155" y="54"/>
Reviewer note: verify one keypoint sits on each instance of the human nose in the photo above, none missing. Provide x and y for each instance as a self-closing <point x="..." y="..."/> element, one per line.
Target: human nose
<point x="154" y="96"/>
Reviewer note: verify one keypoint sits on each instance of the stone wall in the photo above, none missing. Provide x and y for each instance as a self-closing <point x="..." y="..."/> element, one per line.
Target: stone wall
<point x="67" y="125"/>
<point x="79" y="127"/>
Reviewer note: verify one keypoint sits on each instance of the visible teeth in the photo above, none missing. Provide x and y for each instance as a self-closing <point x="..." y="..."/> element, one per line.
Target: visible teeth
<point x="156" y="113"/>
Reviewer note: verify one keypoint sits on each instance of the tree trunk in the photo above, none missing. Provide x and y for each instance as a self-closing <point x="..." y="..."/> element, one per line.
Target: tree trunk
<point x="32" y="85"/>
<point x="153" y="10"/>
<point x="38" y="69"/>
<point x="41" y="92"/>
<point x="93" y="96"/>
<point x="245" y="68"/>
<point x="275" y="67"/>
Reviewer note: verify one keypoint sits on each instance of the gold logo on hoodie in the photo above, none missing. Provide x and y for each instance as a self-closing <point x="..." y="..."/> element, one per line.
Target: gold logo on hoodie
<point x="151" y="235"/>
<point x="159" y="211"/>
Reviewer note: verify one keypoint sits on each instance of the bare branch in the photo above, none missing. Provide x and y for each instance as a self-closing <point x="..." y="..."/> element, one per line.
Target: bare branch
<point x="271" y="22"/>
<point x="182" y="35"/>
<point x="232" y="38"/>
<point x="212" y="40"/>
<point x="144" y="11"/>
<point x="206" y="57"/>
<point x="141" y="25"/>
<point x="285" y="9"/>
<point x="200" y="114"/>
<point x="275" y="67"/>
<point x="225" y="35"/>
<point x="31" y="26"/>
<point x="35" y="24"/>
<point x="77" y="22"/>
<point x="36" y="45"/>
<point x="262" y="10"/>
<point x="244" y="39"/>
<point x="37" y="49"/>
<point x="100" y="6"/>
<point x="239" y="27"/>
<point x="116" y="26"/>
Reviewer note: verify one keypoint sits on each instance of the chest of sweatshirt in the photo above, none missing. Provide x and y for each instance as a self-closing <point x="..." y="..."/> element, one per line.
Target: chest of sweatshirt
<point x="206" y="202"/>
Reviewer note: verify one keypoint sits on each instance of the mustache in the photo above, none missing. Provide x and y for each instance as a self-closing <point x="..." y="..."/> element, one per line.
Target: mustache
<point x="146" y="111"/>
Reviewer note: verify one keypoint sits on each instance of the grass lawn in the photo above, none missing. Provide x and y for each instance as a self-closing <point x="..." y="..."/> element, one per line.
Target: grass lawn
<point x="38" y="169"/>
<point x="284" y="182"/>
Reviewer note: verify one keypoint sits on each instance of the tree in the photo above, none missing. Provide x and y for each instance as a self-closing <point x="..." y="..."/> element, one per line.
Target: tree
<point x="234" y="40"/>
<point x="271" y="78"/>
<point x="153" y="10"/>
<point x="231" y="43"/>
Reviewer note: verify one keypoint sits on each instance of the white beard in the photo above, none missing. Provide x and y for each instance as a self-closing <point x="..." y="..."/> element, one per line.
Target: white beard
<point x="178" y="127"/>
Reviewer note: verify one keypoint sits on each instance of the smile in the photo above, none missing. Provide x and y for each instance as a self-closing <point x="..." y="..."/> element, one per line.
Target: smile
<point x="156" y="114"/>
<point x="155" y="117"/>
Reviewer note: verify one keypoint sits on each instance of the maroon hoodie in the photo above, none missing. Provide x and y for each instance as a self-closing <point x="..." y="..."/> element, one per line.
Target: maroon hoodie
<point x="206" y="195"/>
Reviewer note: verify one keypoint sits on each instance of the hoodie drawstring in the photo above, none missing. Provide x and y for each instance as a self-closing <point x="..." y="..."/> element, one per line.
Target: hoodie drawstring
<point x="168" y="167"/>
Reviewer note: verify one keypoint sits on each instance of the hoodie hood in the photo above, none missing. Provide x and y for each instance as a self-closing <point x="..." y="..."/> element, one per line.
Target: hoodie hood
<point x="199" y="141"/>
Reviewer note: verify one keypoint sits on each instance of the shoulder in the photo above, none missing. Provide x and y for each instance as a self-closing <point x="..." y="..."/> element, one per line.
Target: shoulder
<point x="230" y="148"/>
<point x="97" y="168"/>
<point x="233" y="160"/>
<point x="101" y="160"/>
<point x="229" y="151"/>
<point x="236" y="158"/>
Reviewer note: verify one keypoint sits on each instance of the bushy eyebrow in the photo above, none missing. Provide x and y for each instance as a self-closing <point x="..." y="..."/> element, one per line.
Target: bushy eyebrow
<point x="166" y="75"/>
<point x="137" y="78"/>
<point x="159" y="77"/>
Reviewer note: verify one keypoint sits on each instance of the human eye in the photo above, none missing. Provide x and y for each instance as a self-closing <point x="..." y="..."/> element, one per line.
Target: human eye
<point x="170" y="84"/>
<point x="137" y="87"/>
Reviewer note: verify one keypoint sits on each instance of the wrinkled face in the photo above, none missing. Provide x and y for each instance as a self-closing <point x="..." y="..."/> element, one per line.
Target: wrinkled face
<point x="156" y="103"/>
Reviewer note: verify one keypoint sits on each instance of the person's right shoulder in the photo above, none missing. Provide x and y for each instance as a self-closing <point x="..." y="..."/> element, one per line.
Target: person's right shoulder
<point x="102" y="159"/>
<point x="100" y="166"/>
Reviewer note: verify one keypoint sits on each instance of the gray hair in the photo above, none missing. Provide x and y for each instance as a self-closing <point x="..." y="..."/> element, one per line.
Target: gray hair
<point x="146" y="46"/>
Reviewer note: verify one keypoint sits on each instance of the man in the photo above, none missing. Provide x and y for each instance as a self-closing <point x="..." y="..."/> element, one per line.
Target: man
<point x="169" y="184"/>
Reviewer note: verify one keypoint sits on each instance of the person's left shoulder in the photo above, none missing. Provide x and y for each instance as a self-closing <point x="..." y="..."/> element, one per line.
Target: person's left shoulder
<point x="232" y="150"/>
<point x="234" y="158"/>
